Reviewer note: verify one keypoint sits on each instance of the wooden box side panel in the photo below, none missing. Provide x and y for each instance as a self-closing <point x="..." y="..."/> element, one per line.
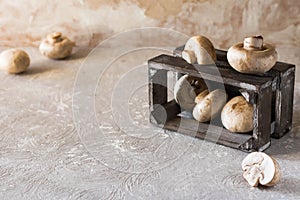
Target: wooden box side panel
<point x="160" y="109"/>
<point x="164" y="113"/>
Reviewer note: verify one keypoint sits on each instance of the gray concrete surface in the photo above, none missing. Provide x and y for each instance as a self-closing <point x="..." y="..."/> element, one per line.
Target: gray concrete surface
<point x="78" y="129"/>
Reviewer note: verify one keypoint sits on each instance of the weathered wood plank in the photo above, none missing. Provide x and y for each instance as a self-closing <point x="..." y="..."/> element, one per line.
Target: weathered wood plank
<point x="284" y="103"/>
<point x="164" y="113"/>
<point x="210" y="72"/>
<point x="157" y="87"/>
<point x="207" y="132"/>
<point x="262" y="118"/>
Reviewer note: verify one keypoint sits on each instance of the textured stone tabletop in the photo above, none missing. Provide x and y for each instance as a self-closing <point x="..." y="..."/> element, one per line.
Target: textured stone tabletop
<point x="78" y="129"/>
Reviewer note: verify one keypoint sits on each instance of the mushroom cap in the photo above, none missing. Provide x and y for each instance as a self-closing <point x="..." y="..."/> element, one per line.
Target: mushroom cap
<point x="14" y="61"/>
<point x="56" y="46"/>
<point x="259" y="168"/>
<point x="237" y="115"/>
<point x="185" y="90"/>
<point x="199" y="49"/>
<point x="201" y="96"/>
<point x="209" y="105"/>
<point x="252" y="61"/>
<point x="277" y="175"/>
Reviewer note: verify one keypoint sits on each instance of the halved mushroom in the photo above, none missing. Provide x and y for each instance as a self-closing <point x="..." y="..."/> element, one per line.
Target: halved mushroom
<point x="209" y="105"/>
<point x="185" y="90"/>
<point x="56" y="46"/>
<point x="252" y="56"/>
<point x="14" y="61"/>
<point x="199" y="49"/>
<point x="237" y="115"/>
<point x="259" y="168"/>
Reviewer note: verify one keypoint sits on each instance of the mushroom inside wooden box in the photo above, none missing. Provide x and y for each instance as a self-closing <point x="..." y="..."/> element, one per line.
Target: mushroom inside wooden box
<point x="223" y="97"/>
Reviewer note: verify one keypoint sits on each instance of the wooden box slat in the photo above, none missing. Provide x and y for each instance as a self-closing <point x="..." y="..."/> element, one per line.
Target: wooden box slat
<point x="208" y="132"/>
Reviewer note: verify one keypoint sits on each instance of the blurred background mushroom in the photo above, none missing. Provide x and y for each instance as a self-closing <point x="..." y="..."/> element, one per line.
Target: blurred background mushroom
<point x="224" y="22"/>
<point x="14" y="61"/>
<point x="56" y="46"/>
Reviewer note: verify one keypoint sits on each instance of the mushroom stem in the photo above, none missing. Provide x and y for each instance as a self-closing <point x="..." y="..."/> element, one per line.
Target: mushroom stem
<point x="253" y="42"/>
<point x="189" y="56"/>
<point x="54" y="37"/>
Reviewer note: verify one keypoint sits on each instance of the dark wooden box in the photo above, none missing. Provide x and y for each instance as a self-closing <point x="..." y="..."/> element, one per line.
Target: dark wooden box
<point x="271" y="95"/>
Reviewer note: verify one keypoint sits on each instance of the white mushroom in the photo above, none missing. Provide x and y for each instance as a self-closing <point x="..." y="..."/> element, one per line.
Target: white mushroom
<point x="201" y="96"/>
<point x="237" y="115"/>
<point x="14" y="61"/>
<point x="199" y="49"/>
<point x="185" y="90"/>
<point x="252" y="56"/>
<point x="259" y="168"/>
<point x="209" y="105"/>
<point x="56" y="46"/>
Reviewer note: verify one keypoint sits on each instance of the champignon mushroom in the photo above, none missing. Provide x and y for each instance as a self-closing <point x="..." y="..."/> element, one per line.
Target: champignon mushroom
<point x="201" y="96"/>
<point x="237" y="115"/>
<point x="185" y="90"/>
<point x="209" y="105"/>
<point x="56" y="46"/>
<point x="199" y="49"/>
<point x="14" y="61"/>
<point x="259" y="168"/>
<point x="252" y="56"/>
